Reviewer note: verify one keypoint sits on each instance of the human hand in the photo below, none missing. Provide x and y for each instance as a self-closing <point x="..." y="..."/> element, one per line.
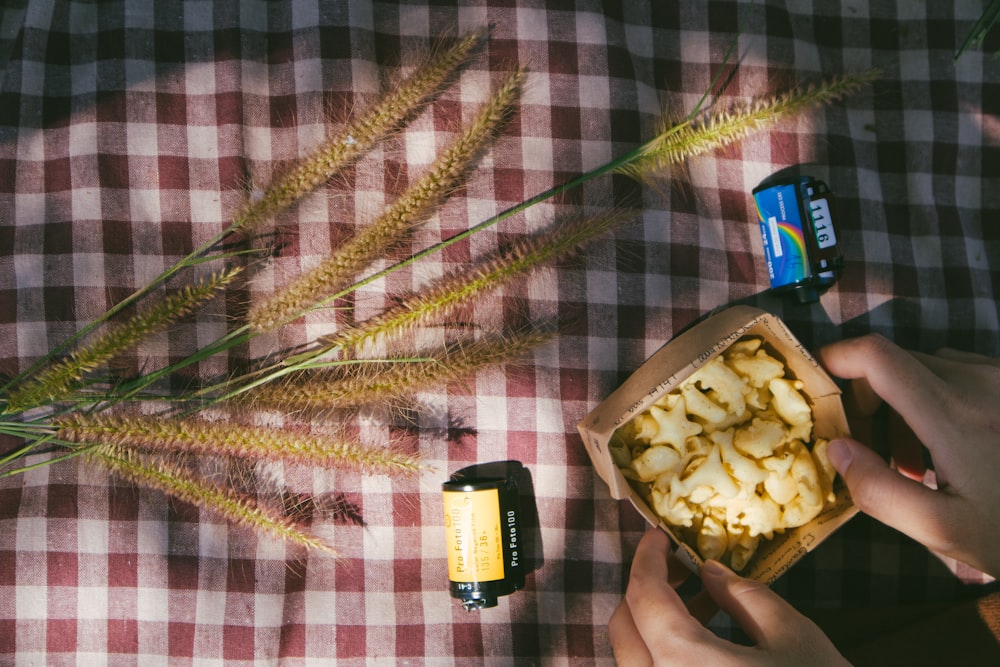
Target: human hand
<point x="652" y="626"/>
<point x="950" y="401"/>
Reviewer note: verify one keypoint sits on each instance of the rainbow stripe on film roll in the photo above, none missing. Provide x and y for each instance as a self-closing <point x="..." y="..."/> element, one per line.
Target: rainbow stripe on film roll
<point x="784" y="239"/>
<point x="793" y="234"/>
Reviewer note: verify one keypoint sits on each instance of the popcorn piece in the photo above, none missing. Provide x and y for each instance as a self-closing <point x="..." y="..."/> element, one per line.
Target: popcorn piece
<point x="674" y="511"/>
<point x="699" y="406"/>
<point x="760" y="438"/>
<point x="644" y="427"/>
<point x="668" y="427"/>
<point x="758" y="369"/>
<point x="742" y="547"/>
<point x="759" y="399"/>
<point x="792" y="407"/>
<point x="656" y="461"/>
<point x="760" y="515"/>
<point x="706" y="472"/>
<point x="713" y="539"/>
<point x="727" y="385"/>
<point x="743" y="347"/>
<point x="799" y="512"/>
<point x="780" y="462"/>
<point x="781" y="487"/>
<point x="667" y="401"/>
<point x="789" y="403"/>
<point x="743" y="468"/>
<point x="805" y="475"/>
<point x="826" y="471"/>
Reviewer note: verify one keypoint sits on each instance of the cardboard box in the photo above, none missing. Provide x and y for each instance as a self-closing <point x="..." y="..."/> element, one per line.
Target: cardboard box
<point x="672" y="364"/>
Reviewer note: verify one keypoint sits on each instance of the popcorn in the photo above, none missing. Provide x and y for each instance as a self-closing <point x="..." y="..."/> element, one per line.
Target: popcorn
<point x="790" y="405"/>
<point x="723" y="456"/>
<point x="761" y="437"/>
<point x="656" y="461"/>
<point x="668" y="426"/>
<point x="718" y="379"/>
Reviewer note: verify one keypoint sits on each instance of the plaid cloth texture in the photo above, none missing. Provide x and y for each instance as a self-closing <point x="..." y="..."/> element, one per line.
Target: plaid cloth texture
<point x="130" y="132"/>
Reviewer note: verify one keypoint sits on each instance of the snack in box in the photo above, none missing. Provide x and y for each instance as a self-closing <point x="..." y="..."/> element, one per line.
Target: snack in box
<point x="720" y="437"/>
<point x="728" y="458"/>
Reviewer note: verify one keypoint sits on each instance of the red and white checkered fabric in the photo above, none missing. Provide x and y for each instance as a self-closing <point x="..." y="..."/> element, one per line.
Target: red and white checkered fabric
<point x="131" y="131"/>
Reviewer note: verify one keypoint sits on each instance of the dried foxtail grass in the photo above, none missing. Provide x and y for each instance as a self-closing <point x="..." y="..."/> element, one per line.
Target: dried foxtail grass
<point x="459" y="288"/>
<point x="693" y="137"/>
<point x="393" y="380"/>
<point x="386" y="117"/>
<point x="199" y="437"/>
<point x="151" y="451"/>
<point x="59" y="380"/>
<point x="411" y="208"/>
<point x="178" y="482"/>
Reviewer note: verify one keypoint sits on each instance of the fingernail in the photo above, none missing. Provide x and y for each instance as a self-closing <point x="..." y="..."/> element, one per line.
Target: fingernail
<point x="713" y="568"/>
<point x="840" y="455"/>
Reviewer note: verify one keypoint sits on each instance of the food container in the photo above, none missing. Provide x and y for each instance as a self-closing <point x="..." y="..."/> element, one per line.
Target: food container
<point x="670" y="366"/>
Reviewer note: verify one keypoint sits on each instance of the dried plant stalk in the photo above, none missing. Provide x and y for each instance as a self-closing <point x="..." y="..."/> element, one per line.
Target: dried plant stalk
<point x="414" y="206"/>
<point x="460" y="287"/>
<point x="694" y="137"/>
<point x="57" y="381"/>
<point x="173" y="480"/>
<point x="395" y="107"/>
<point x="393" y="379"/>
<point x="194" y="436"/>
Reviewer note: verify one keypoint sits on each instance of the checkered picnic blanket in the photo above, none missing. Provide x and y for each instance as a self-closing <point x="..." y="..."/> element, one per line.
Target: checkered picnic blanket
<point x="131" y="132"/>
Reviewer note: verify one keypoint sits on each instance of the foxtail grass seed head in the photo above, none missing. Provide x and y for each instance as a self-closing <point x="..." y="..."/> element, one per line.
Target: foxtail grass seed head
<point x="200" y="437"/>
<point x="413" y="207"/>
<point x="160" y="474"/>
<point x="390" y="381"/>
<point x="393" y="109"/>
<point x="58" y="380"/>
<point x="455" y="289"/>
<point x="679" y="142"/>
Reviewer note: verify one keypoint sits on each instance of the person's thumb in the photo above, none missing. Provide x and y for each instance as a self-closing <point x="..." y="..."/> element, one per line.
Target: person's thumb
<point x="762" y="614"/>
<point x="887" y="496"/>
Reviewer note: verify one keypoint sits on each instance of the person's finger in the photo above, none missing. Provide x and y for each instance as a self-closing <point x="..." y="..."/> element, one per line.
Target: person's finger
<point x="887" y="496"/>
<point x="780" y="633"/>
<point x="650" y="561"/>
<point x="759" y="611"/>
<point x="965" y="357"/>
<point x="906" y="449"/>
<point x="653" y="603"/>
<point x="906" y="384"/>
<point x="961" y="369"/>
<point x="626" y="642"/>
